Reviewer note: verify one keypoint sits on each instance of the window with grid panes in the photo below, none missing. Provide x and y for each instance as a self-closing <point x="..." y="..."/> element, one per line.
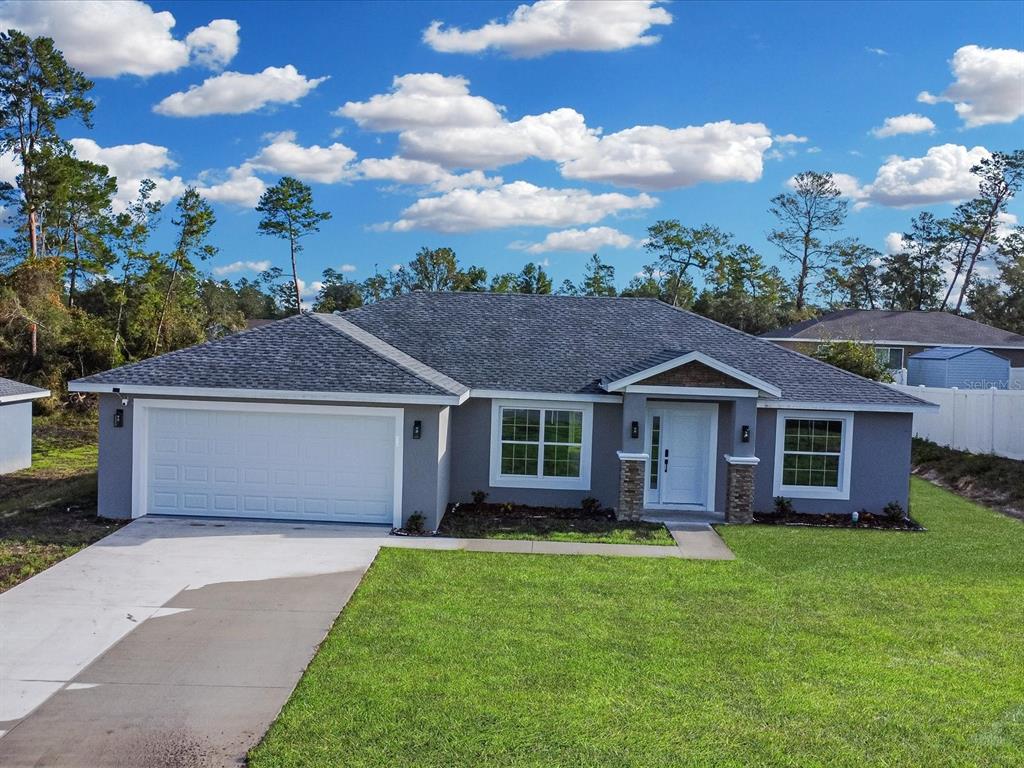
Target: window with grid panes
<point x="541" y="442"/>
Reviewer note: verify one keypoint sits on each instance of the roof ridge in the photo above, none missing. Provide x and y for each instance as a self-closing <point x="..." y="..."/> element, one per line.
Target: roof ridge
<point x="391" y="354"/>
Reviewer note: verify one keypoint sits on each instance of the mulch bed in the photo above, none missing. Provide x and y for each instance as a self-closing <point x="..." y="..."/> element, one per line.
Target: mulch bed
<point x="866" y="520"/>
<point x="471" y="520"/>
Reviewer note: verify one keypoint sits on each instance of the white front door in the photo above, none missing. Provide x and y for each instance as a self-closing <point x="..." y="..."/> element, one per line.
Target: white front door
<point x="685" y="454"/>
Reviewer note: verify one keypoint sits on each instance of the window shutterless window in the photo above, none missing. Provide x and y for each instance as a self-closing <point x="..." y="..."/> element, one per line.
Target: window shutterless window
<point x="542" y="445"/>
<point x="812" y="455"/>
<point x="890" y="357"/>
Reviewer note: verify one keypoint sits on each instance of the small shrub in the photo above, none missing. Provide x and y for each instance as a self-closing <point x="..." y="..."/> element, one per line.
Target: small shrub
<point x="783" y="506"/>
<point x="417" y="523"/>
<point x="507" y="507"/>
<point x="479" y="497"/>
<point x="894" y="511"/>
<point x="591" y="506"/>
<point x="854" y="357"/>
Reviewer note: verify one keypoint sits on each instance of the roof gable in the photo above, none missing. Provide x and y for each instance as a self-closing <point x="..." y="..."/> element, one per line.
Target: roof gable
<point x="692" y="369"/>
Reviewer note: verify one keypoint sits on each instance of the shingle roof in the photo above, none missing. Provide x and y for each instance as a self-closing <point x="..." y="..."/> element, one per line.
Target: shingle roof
<point x="440" y="343"/>
<point x="299" y="353"/>
<point x="567" y="344"/>
<point x="15" y="389"/>
<point x="925" y="328"/>
<point x="948" y="353"/>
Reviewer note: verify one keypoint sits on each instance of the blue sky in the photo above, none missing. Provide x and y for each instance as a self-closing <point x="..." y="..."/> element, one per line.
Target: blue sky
<point x="740" y="78"/>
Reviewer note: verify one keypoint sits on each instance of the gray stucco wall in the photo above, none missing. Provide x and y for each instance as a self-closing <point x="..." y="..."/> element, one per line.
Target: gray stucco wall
<point x="470" y="471"/>
<point x="114" y="491"/>
<point x="15" y="436"/>
<point x="424" y="474"/>
<point x="879" y="471"/>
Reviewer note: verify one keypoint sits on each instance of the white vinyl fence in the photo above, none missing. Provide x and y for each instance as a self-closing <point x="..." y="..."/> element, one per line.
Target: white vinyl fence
<point x="1017" y="378"/>
<point x="975" y="420"/>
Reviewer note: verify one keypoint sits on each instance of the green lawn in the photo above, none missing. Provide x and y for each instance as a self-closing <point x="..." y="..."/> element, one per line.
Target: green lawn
<point x="48" y="512"/>
<point x="813" y="648"/>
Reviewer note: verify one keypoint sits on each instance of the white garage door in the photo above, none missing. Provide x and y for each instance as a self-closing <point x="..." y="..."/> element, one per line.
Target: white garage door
<point x="297" y="463"/>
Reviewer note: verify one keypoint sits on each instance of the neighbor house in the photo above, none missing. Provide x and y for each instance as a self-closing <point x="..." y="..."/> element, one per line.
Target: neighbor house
<point x="898" y="335"/>
<point x="16" y="424"/>
<point x="417" y="402"/>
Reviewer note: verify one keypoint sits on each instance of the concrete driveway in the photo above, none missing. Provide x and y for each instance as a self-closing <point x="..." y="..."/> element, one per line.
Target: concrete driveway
<point x="172" y="642"/>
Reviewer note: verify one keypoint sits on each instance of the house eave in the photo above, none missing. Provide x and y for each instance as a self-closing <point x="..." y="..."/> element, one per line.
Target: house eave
<point x="224" y="393"/>
<point x="819" y="405"/>
<point x="20" y="398"/>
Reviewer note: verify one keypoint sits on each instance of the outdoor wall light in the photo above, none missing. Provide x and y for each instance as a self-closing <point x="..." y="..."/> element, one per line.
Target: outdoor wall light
<point x="417" y="429"/>
<point x="119" y="418"/>
<point x="634" y="430"/>
<point x="745" y="433"/>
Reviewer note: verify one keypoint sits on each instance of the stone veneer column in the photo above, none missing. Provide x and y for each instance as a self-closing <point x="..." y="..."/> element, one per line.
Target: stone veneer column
<point x="632" y="474"/>
<point x="739" y="492"/>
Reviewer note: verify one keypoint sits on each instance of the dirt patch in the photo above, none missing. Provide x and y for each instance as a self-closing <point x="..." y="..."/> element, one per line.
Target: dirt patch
<point x="992" y="481"/>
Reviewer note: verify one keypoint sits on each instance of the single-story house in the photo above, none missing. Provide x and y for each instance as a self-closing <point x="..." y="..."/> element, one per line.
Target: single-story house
<point x="16" y="424"/>
<point x="898" y="335"/>
<point x="961" y="367"/>
<point x="414" y="403"/>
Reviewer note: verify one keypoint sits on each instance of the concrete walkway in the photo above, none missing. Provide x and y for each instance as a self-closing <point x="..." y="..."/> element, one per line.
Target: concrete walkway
<point x="175" y="642"/>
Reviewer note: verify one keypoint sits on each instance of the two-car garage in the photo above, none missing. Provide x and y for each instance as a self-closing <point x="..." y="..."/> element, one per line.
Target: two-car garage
<point x="262" y="460"/>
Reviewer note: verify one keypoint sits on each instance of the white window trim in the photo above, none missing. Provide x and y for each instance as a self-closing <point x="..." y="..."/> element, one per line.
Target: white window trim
<point x="140" y="438"/>
<point x="845" y="457"/>
<point x="581" y="483"/>
<point x="888" y="350"/>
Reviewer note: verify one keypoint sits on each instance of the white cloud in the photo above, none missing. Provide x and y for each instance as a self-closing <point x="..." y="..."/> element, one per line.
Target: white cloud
<point x="107" y="38"/>
<point x="813" y="150"/>
<point x="440" y="122"/>
<point x="900" y="124"/>
<point x="789" y="138"/>
<point x="557" y="25"/>
<point x="894" y="242"/>
<point x="348" y="268"/>
<point x="426" y="100"/>
<point x="9" y="168"/>
<point x="215" y="44"/>
<point x="877" y="51"/>
<point x="587" y="240"/>
<point x="239" y="186"/>
<point x="241" y="266"/>
<point x="232" y="93"/>
<point x="988" y="86"/>
<point x="558" y="135"/>
<point x="131" y="163"/>
<point x="513" y="205"/>
<point x="326" y="165"/>
<point x="654" y="157"/>
<point x="943" y="175"/>
<point x="405" y="171"/>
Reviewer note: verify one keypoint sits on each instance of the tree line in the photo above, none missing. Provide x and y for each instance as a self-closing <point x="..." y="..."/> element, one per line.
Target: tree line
<point x="83" y="287"/>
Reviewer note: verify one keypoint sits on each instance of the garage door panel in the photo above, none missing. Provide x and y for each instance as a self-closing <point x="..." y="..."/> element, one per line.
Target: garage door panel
<point x="285" y="464"/>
